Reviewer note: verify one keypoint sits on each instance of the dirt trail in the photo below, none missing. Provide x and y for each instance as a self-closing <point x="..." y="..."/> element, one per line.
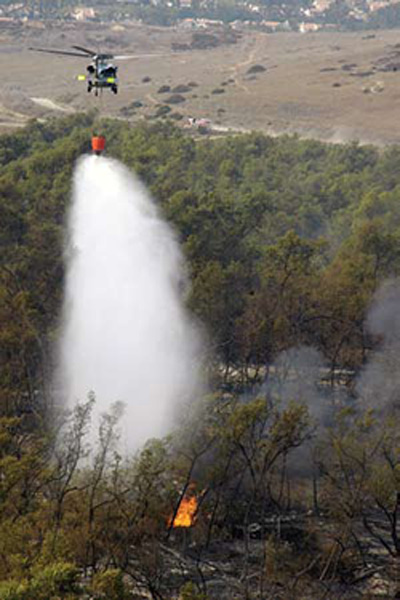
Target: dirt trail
<point x="51" y="105"/>
<point x="151" y="99"/>
<point x="245" y="63"/>
<point x="10" y="118"/>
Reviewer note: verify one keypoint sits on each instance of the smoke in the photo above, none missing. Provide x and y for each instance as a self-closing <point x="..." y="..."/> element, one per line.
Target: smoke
<point x="298" y="375"/>
<point x="379" y="383"/>
<point x="126" y="334"/>
<point x="301" y="373"/>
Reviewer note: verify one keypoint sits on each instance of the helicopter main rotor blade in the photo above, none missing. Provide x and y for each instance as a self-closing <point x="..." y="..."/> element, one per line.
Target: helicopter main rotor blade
<point x="130" y="56"/>
<point x="85" y="50"/>
<point x="66" y="52"/>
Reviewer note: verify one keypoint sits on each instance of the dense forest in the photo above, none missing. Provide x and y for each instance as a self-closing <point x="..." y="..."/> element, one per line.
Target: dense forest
<point x="291" y="457"/>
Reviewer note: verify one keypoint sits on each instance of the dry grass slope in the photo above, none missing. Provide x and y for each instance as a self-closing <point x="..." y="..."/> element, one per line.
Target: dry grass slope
<point x="332" y="86"/>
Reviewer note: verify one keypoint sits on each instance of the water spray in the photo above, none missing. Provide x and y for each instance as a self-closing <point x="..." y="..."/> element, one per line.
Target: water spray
<point x="126" y="335"/>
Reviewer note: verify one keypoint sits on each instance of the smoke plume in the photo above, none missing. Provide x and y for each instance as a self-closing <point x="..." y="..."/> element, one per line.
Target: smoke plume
<point x="297" y="375"/>
<point x="379" y="383"/>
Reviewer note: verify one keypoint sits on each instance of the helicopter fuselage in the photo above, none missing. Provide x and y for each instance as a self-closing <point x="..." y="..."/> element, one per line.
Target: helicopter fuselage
<point x="102" y="74"/>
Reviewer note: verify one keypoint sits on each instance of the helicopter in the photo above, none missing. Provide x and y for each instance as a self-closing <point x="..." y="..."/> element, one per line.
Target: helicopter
<point x="101" y="72"/>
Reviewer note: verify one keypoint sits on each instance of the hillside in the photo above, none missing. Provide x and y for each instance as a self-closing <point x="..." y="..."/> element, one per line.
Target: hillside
<point x="293" y="15"/>
<point x="332" y="86"/>
<point x="290" y="458"/>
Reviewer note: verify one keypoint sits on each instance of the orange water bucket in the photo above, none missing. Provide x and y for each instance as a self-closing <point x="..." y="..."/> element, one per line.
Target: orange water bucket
<point x="98" y="143"/>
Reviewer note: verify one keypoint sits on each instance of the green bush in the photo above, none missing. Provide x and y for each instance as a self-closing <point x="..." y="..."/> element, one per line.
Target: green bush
<point x="109" y="585"/>
<point x="59" y="579"/>
<point x="175" y="99"/>
<point x="53" y="582"/>
<point x="12" y="590"/>
<point x="189" y="592"/>
<point x="162" y="111"/>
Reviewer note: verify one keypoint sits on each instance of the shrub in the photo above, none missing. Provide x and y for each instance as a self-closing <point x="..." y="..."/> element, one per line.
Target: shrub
<point x="162" y="110"/>
<point x="201" y="41"/>
<point x="58" y="580"/>
<point x="164" y="89"/>
<point x="256" y="69"/>
<point x="189" y="592"/>
<point x="109" y="585"/>
<point x="175" y="99"/>
<point x="13" y="590"/>
<point x="181" y="89"/>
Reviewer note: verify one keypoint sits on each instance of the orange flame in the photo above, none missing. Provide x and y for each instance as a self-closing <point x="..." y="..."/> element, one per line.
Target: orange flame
<point x="186" y="512"/>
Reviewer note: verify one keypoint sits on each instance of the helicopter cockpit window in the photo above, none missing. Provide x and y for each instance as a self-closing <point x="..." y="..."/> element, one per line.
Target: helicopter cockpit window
<point x="110" y="71"/>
